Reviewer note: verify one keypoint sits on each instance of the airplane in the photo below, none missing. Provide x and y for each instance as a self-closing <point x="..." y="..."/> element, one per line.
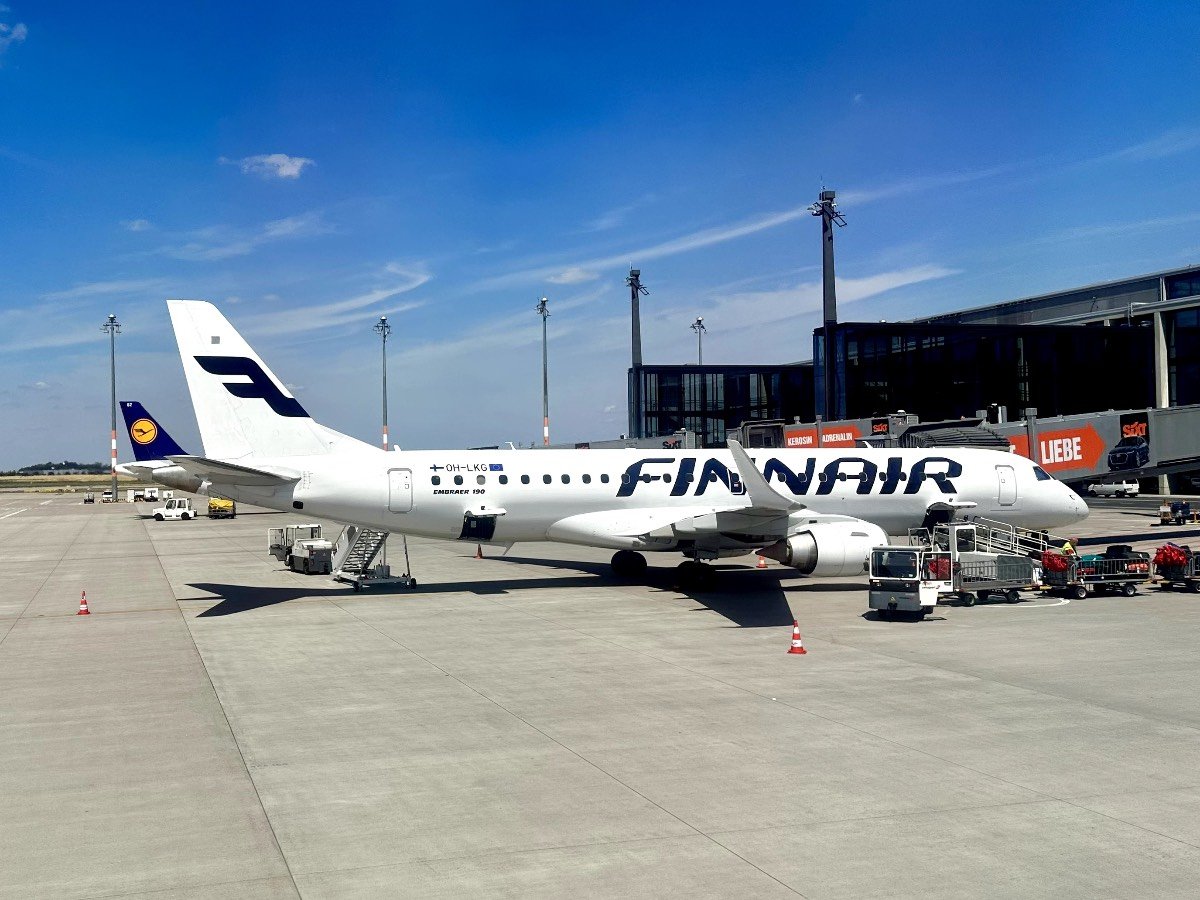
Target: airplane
<point x="151" y="447"/>
<point x="819" y="511"/>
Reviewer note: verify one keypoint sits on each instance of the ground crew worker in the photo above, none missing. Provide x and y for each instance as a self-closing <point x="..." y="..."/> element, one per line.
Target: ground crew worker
<point x="1068" y="548"/>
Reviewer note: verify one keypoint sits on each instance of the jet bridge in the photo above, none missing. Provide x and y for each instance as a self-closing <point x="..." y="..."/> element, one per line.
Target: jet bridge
<point x="1112" y="445"/>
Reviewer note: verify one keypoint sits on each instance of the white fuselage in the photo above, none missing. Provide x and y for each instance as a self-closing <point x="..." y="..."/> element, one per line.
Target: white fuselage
<point x="430" y="493"/>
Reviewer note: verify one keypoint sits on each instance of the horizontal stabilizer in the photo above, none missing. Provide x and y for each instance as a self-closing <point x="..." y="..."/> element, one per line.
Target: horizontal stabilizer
<point x="230" y="473"/>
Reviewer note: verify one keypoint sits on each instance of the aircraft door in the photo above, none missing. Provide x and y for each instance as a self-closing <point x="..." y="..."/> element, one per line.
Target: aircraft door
<point x="1007" y="478"/>
<point x="400" y="498"/>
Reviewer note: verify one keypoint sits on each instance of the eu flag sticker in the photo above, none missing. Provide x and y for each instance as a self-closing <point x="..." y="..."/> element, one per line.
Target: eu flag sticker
<point x="495" y="467"/>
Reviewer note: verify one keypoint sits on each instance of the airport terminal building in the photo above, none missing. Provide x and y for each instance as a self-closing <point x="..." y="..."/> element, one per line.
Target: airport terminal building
<point x="1126" y="344"/>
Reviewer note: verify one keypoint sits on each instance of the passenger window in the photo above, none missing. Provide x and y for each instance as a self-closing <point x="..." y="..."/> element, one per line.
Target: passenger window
<point x="546" y="479"/>
<point x="667" y="478"/>
<point x="524" y="479"/>
<point x="587" y="479"/>
<point x="503" y="479"/>
<point x="625" y="479"/>
<point x="566" y="479"/>
<point x="604" y="479"/>
<point x="458" y="479"/>
<point x="436" y="479"/>
<point x="480" y="479"/>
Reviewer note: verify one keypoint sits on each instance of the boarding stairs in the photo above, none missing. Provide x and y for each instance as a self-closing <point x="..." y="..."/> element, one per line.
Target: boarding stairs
<point x="993" y="537"/>
<point x="357" y="547"/>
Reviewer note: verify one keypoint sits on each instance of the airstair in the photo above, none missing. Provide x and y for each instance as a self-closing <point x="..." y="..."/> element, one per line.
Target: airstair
<point x="356" y="549"/>
<point x="991" y="537"/>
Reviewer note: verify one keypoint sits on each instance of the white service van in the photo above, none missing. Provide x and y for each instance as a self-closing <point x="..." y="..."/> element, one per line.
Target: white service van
<point x="1113" y="489"/>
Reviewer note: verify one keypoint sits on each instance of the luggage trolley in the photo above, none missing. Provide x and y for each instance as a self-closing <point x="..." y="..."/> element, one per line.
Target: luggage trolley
<point x="1120" y="569"/>
<point x="1177" y="565"/>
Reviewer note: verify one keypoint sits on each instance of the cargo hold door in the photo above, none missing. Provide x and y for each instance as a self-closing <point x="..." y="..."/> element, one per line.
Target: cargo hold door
<point x="1007" y="478"/>
<point x="400" y="498"/>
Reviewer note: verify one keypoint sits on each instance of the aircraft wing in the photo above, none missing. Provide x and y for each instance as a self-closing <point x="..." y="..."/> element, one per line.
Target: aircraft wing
<point x="218" y="472"/>
<point x="764" y="512"/>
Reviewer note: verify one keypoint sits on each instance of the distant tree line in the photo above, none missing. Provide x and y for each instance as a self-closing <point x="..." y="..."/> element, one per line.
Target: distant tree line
<point x="90" y="468"/>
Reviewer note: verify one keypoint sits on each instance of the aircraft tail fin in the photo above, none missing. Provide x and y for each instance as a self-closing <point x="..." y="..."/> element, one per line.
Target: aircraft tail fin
<point x="242" y="409"/>
<point x="149" y="439"/>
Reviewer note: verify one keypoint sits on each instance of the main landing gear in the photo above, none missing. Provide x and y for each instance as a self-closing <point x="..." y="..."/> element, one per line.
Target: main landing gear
<point x="694" y="575"/>
<point x="629" y="565"/>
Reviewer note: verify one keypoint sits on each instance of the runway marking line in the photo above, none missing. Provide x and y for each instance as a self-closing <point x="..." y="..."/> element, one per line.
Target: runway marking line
<point x="15" y="512"/>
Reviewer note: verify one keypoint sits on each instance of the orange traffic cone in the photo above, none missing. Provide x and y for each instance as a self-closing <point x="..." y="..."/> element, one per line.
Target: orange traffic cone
<point x="83" y="610"/>
<point x="762" y="562"/>
<point x="797" y="641"/>
<point x="479" y="551"/>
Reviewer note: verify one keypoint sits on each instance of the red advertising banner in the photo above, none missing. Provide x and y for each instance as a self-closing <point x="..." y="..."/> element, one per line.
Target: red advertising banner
<point x="1071" y="448"/>
<point x="836" y="436"/>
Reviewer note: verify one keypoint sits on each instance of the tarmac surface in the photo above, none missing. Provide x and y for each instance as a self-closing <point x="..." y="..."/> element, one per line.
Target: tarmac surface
<point x="220" y="727"/>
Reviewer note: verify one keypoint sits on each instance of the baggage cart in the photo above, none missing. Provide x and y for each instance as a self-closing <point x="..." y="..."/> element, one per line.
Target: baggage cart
<point x="1119" y="570"/>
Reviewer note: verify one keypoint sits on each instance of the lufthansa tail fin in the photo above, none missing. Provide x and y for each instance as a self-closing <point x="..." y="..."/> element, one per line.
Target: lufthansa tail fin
<point x="242" y="409"/>
<point x="149" y="439"/>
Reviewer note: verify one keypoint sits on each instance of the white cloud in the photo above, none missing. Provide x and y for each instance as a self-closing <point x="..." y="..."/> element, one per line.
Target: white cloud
<point x="140" y="286"/>
<point x="762" y="309"/>
<point x="919" y="184"/>
<point x="11" y="34"/>
<point x="1116" y="229"/>
<point x="573" y="275"/>
<point x="1170" y="143"/>
<point x="688" y="242"/>
<point x="224" y="241"/>
<point x="271" y="165"/>
<point x="136" y="224"/>
<point x="342" y="312"/>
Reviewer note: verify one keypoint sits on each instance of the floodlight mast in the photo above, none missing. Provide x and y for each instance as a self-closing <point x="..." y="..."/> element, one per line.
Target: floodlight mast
<point x="113" y="327"/>
<point x="636" y="290"/>
<point x="826" y="208"/>
<point x="383" y="329"/>
<point x="698" y="327"/>
<point x="544" y="311"/>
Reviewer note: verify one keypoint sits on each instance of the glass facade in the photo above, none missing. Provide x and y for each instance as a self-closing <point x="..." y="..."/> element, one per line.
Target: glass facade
<point x="712" y="400"/>
<point x="1099" y="356"/>
<point x="944" y="371"/>
<point x="1182" y="329"/>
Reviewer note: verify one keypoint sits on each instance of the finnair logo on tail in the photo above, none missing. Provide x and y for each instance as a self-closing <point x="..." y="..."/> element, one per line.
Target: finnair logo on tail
<point x="259" y="385"/>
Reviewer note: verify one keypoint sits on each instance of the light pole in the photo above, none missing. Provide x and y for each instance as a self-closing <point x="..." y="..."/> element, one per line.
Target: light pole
<point x="113" y="327"/>
<point x="826" y="208"/>
<point x="544" y="312"/>
<point x="383" y="329"/>
<point x="636" y="290"/>
<point x="698" y="327"/>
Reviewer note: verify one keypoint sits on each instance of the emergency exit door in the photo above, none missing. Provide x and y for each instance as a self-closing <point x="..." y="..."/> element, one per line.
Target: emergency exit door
<point x="400" y="490"/>
<point x="1007" y="478"/>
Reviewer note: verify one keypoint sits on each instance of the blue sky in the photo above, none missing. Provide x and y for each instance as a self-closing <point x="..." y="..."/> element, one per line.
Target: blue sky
<point x="309" y="168"/>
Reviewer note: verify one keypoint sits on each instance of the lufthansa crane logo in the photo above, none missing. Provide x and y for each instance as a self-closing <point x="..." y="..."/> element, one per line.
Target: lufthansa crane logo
<point x="143" y="431"/>
<point x="259" y="384"/>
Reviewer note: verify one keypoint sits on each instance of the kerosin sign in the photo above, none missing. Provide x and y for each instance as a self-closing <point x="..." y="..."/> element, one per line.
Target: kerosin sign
<point x="832" y="436"/>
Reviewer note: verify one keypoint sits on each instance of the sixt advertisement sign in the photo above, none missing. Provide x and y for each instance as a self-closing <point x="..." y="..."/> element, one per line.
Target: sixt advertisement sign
<point x="1132" y="451"/>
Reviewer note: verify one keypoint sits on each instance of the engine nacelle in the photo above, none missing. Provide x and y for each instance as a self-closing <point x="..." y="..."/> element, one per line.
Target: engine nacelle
<point x="829" y="548"/>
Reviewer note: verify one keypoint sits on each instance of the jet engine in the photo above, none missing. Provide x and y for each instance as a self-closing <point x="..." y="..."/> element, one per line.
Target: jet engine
<point x="829" y="548"/>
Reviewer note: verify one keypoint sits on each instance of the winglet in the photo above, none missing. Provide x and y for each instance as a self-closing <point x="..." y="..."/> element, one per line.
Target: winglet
<point x="758" y="490"/>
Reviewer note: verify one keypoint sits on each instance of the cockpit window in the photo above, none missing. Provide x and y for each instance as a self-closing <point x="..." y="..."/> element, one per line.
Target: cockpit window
<point x="1040" y="474"/>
